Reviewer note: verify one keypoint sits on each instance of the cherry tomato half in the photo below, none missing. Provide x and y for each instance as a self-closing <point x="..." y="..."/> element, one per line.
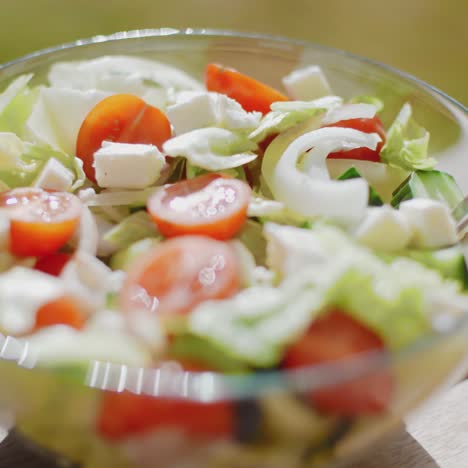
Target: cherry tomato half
<point x="61" y="311"/>
<point x="209" y="205"/>
<point x="179" y="274"/>
<point x="122" y="118"/>
<point x="251" y="94"/>
<point x="53" y="264"/>
<point x="373" y="125"/>
<point x="40" y="222"/>
<point x="122" y="415"/>
<point x="337" y="336"/>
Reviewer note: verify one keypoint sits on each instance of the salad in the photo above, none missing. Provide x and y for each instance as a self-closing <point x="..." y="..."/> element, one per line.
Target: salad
<point x="148" y="219"/>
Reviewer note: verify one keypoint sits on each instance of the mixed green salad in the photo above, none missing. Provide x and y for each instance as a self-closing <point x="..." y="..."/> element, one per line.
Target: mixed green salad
<point x="227" y="226"/>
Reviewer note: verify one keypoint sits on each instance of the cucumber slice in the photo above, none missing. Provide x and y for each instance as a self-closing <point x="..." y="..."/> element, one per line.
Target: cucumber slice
<point x="193" y="348"/>
<point x="436" y="185"/>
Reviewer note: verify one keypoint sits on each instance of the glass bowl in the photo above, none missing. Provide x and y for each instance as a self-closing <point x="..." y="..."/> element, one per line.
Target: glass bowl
<point x="274" y="423"/>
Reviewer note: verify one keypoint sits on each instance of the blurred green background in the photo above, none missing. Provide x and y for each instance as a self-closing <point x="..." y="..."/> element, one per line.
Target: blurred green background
<point x="427" y="38"/>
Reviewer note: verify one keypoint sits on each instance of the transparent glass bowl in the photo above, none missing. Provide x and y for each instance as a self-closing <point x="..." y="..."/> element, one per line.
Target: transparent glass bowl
<point x="274" y="424"/>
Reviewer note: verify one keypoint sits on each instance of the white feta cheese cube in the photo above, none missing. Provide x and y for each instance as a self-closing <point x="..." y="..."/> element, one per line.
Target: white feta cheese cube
<point x="87" y="278"/>
<point x="23" y="291"/>
<point x="54" y="176"/>
<point x="231" y="114"/>
<point x="307" y="83"/>
<point x="431" y="221"/>
<point x="126" y="165"/>
<point x="194" y="110"/>
<point x="385" y="229"/>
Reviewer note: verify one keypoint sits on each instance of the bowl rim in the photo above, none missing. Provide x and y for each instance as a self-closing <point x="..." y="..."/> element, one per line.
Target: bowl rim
<point x="213" y="32"/>
<point x="216" y="386"/>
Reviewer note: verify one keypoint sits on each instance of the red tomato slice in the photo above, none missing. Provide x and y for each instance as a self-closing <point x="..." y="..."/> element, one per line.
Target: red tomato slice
<point x="125" y="414"/>
<point x="52" y="264"/>
<point x="373" y="125"/>
<point x="122" y="118"/>
<point x="337" y="336"/>
<point x="179" y="274"/>
<point x="209" y="205"/>
<point x="122" y="415"/>
<point x="40" y="222"/>
<point x="61" y="311"/>
<point x="251" y="94"/>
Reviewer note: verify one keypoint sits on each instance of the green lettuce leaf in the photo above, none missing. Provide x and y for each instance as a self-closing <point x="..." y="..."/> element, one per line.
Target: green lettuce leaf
<point x="21" y="162"/>
<point x="16" y="104"/>
<point x="449" y="262"/>
<point x="285" y="115"/>
<point x="64" y="346"/>
<point x="194" y="171"/>
<point x="365" y="285"/>
<point x="253" y="331"/>
<point x="122" y="259"/>
<point x="213" y="149"/>
<point x="266" y="210"/>
<point x="251" y="235"/>
<point x="194" y="348"/>
<point x="40" y="154"/>
<point x="323" y="268"/>
<point x="399" y="320"/>
<point x="57" y="116"/>
<point x="366" y="99"/>
<point x="135" y="227"/>
<point x="116" y="198"/>
<point x="407" y="143"/>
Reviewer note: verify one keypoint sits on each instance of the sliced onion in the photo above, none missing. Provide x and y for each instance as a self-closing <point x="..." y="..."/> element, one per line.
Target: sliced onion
<point x="348" y="112"/>
<point x="88" y="233"/>
<point x="310" y="192"/>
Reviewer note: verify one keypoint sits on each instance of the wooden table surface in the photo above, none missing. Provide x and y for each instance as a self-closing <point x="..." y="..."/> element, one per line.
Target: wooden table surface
<point x="435" y="437"/>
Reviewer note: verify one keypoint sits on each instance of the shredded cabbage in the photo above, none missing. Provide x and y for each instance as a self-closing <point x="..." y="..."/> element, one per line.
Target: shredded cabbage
<point x="57" y="116"/>
<point x="255" y="331"/>
<point x="286" y="114"/>
<point x="122" y="74"/>
<point x="212" y="148"/>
